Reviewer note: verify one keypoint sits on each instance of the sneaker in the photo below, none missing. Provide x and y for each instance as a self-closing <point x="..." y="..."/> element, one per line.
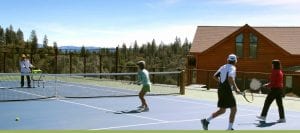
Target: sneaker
<point x="281" y="120"/>
<point x="146" y="109"/>
<point x="262" y="118"/>
<point x="230" y="129"/>
<point x="140" y="107"/>
<point x="204" y="124"/>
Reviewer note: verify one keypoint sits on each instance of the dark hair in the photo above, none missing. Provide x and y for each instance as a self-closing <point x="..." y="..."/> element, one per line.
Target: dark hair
<point x="276" y="64"/>
<point x="141" y="66"/>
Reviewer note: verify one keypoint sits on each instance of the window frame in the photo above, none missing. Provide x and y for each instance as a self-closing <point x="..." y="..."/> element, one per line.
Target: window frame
<point x="239" y="45"/>
<point x="253" y="42"/>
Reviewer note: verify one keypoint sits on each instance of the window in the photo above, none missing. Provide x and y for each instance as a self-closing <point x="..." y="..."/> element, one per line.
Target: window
<point x="239" y="40"/>
<point x="253" y="45"/>
<point x="289" y="81"/>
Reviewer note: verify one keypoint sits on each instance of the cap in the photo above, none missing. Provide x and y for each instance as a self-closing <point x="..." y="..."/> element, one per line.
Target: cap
<point x="23" y="55"/>
<point x="232" y="57"/>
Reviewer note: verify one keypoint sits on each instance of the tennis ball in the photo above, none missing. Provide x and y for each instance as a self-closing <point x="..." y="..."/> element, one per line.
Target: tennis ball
<point x="17" y="119"/>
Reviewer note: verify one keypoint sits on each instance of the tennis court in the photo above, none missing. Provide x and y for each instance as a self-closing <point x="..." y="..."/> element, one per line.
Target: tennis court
<point x="168" y="110"/>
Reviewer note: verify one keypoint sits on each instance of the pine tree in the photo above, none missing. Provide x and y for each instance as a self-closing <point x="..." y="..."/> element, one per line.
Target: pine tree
<point x="153" y="47"/>
<point x="186" y="47"/>
<point x="55" y="47"/>
<point x="33" y="41"/>
<point x="45" y="42"/>
<point x="20" y="38"/>
<point x="124" y="51"/>
<point x="135" y="47"/>
<point x="82" y="51"/>
<point x="2" y="36"/>
<point x="9" y="36"/>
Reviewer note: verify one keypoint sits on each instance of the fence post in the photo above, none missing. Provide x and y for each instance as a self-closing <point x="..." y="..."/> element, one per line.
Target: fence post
<point x="56" y="54"/>
<point x="4" y="62"/>
<point x="208" y="80"/>
<point x="117" y="59"/>
<point x="84" y="63"/>
<point x="100" y="63"/>
<point x="71" y="55"/>
<point x="244" y="81"/>
<point x="182" y="82"/>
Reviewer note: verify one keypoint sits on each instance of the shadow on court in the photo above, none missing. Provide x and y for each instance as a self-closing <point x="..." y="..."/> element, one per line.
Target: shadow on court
<point x="263" y="124"/>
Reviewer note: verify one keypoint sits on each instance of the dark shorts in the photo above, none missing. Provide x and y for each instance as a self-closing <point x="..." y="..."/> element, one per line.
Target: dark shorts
<point x="146" y="88"/>
<point x="225" y="97"/>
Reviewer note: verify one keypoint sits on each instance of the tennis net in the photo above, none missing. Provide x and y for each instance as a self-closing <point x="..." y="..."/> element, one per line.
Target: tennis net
<point x="88" y="85"/>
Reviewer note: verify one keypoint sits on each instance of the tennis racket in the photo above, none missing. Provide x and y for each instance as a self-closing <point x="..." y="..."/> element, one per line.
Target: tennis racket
<point x="255" y="85"/>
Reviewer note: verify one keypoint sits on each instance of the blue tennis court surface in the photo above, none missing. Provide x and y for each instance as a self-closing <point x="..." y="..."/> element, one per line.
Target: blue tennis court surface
<point x="166" y="113"/>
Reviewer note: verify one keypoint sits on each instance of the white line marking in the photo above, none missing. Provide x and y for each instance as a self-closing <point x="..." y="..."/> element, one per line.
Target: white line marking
<point x="103" y="109"/>
<point x="156" y="123"/>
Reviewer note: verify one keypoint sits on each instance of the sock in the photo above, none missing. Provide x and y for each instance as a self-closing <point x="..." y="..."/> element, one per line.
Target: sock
<point x="209" y="118"/>
<point x="230" y="126"/>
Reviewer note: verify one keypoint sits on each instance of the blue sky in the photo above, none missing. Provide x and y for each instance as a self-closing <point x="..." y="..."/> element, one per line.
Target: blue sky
<point x="108" y="23"/>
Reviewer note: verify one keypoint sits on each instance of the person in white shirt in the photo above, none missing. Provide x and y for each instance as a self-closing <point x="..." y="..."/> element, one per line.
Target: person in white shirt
<point x="25" y="66"/>
<point x="226" y="78"/>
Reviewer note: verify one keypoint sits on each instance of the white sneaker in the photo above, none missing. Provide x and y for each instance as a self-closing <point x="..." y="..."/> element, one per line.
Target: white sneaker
<point x="140" y="107"/>
<point x="281" y="120"/>
<point x="262" y="118"/>
<point x="146" y="109"/>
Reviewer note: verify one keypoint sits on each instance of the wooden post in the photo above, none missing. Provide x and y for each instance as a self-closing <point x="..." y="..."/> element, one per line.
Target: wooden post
<point x="56" y="54"/>
<point x="117" y="59"/>
<point x="71" y="55"/>
<point x="182" y="82"/>
<point x="208" y="81"/>
<point x="244" y="81"/>
<point x="4" y="62"/>
<point x="117" y="62"/>
<point x="153" y="76"/>
<point x="100" y="63"/>
<point x="84" y="63"/>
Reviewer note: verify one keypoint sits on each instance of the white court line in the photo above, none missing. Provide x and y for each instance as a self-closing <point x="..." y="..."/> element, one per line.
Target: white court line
<point x="156" y="123"/>
<point x="93" y="107"/>
<point x="103" y="109"/>
<point x="31" y="94"/>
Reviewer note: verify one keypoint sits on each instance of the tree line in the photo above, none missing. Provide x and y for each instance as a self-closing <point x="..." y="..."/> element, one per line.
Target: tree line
<point x="51" y="59"/>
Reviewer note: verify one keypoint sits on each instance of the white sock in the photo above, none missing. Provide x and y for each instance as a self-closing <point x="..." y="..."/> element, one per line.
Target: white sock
<point x="230" y="126"/>
<point x="209" y="118"/>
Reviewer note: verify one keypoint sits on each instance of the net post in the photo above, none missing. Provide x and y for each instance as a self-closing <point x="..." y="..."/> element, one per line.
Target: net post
<point x="55" y="87"/>
<point x="182" y="82"/>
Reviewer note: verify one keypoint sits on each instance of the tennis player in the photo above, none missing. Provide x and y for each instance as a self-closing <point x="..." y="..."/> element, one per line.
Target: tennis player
<point x="25" y="66"/>
<point x="143" y="78"/>
<point x="226" y="79"/>
<point x="276" y="86"/>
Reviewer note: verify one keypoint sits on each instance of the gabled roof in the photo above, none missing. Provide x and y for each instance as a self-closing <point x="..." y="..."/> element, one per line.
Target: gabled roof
<point x="288" y="38"/>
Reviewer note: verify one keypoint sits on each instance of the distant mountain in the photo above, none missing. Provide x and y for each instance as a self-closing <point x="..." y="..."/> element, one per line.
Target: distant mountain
<point x="77" y="49"/>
